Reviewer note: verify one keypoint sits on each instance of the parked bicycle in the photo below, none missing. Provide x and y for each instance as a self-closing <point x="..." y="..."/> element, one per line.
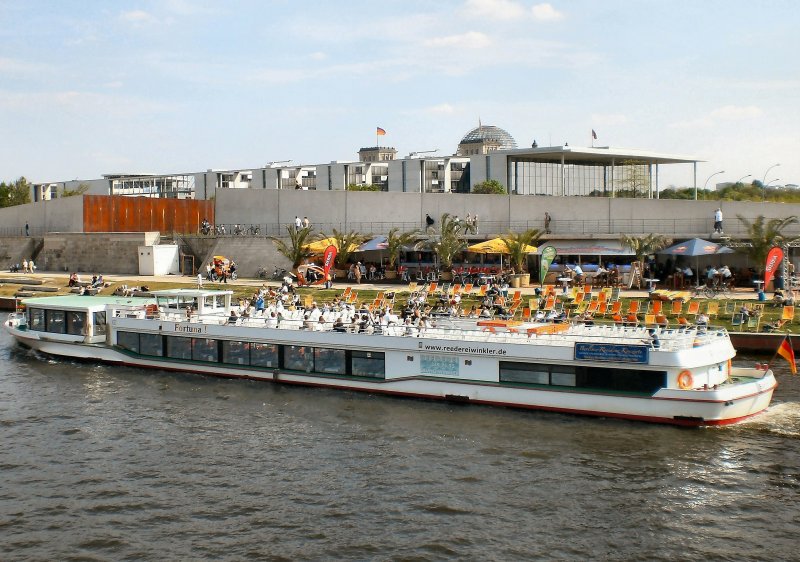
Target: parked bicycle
<point x="722" y="291"/>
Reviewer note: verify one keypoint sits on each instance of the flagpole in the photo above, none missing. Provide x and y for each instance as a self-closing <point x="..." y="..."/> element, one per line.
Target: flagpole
<point x="786" y="337"/>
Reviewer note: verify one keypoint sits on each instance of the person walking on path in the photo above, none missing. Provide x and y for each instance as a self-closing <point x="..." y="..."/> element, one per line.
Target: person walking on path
<point x="27" y="230"/>
<point x="718" y="221"/>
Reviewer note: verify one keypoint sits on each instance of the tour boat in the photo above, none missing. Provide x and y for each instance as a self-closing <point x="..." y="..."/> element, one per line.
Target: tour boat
<point x="676" y="376"/>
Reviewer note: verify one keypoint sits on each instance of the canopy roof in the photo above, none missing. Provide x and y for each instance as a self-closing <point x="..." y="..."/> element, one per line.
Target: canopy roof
<point x="319" y="246"/>
<point x="495" y="246"/>
<point x="696" y="247"/>
<point x="589" y="248"/>
<point x="377" y="243"/>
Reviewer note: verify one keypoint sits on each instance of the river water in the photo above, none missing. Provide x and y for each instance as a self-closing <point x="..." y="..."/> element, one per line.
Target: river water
<point x="109" y="463"/>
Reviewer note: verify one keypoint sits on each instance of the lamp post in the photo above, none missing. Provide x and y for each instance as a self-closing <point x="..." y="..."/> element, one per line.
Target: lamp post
<point x="766" y="185"/>
<point x="763" y="182"/>
<point x="707" y="180"/>
<point x="741" y="178"/>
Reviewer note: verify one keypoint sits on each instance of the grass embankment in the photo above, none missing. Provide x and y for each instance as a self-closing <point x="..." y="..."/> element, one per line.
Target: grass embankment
<point x="770" y="314"/>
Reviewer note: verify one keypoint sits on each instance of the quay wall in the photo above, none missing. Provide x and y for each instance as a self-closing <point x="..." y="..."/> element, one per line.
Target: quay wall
<point x="107" y="252"/>
<point x="376" y="213"/>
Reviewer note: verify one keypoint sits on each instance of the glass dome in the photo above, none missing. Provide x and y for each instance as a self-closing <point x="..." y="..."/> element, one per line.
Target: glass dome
<point x="491" y="133"/>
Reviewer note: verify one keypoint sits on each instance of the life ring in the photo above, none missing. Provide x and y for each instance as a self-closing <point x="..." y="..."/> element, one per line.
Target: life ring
<point x="685" y="380"/>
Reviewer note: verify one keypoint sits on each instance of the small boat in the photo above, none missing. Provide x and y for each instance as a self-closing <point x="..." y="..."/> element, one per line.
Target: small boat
<point x="675" y="376"/>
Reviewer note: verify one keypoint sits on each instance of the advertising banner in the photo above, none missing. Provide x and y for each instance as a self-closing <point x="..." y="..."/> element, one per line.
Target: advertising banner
<point x="548" y="255"/>
<point x="774" y="259"/>
<point x="327" y="259"/>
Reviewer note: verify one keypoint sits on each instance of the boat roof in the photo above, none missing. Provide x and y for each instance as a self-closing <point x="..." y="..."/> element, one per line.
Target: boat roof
<point x="189" y="293"/>
<point x="84" y="302"/>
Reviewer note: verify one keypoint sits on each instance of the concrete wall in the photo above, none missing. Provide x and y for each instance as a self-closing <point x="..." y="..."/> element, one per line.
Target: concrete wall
<point x="571" y="216"/>
<point x="109" y="252"/>
<point x="57" y="215"/>
<point x="13" y="249"/>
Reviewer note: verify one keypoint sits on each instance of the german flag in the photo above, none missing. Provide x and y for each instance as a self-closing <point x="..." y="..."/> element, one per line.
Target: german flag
<point x="380" y="132"/>
<point x="785" y="350"/>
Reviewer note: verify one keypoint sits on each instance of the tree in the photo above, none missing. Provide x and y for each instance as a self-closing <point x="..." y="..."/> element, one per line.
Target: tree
<point x="764" y="235"/>
<point x="396" y="241"/>
<point x="450" y="240"/>
<point x="517" y="244"/>
<point x="15" y="193"/>
<point x="365" y="187"/>
<point x="643" y="246"/>
<point x="294" y="250"/>
<point x="492" y="187"/>
<point x="634" y="180"/>
<point x="80" y="190"/>
<point x="346" y="243"/>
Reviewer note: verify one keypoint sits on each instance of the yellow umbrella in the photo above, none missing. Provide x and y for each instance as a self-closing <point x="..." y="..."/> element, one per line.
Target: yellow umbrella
<point x="496" y="246"/>
<point x="319" y="246"/>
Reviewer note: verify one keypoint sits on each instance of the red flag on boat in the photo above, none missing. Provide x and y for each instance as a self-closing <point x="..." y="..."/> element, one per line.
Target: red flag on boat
<point x="774" y="259"/>
<point x="327" y="258"/>
<point x="787" y="352"/>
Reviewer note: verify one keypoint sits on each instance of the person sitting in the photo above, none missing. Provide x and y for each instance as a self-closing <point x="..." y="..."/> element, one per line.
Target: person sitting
<point x="233" y="317"/>
<point x="778" y="299"/>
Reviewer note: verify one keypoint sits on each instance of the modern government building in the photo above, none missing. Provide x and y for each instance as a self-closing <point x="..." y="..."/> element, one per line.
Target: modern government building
<point x="484" y="153"/>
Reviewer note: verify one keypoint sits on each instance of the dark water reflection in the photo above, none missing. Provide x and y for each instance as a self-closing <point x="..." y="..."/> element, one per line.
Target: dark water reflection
<point x="107" y="463"/>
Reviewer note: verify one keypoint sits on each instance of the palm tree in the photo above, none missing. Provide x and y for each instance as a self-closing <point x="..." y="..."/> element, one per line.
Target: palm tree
<point x="396" y="241"/>
<point x="643" y="246"/>
<point x="294" y="250"/>
<point x="764" y="235"/>
<point x="450" y="241"/>
<point x="346" y="242"/>
<point x="517" y="244"/>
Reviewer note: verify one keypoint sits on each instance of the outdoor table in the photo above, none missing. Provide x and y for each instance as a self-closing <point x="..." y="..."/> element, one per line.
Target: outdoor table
<point x="485" y="278"/>
<point x="758" y="284"/>
<point x="566" y="281"/>
<point x="651" y="284"/>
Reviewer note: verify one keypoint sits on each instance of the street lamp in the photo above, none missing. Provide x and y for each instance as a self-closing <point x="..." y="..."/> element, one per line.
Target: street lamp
<point x="763" y="182"/>
<point x="766" y="185"/>
<point x="741" y="178"/>
<point x="706" y="184"/>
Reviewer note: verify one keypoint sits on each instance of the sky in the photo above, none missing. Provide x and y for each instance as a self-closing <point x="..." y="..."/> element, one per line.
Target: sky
<point x="168" y="86"/>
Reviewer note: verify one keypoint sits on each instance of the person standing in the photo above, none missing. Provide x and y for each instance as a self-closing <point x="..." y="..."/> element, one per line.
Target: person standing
<point x="429" y="222"/>
<point x="24" y="265"/>
<point x="547" y="219"/>
<point x="27" y="230"/>
<point x="718" y="220"/>
<point x="298" y="224"/>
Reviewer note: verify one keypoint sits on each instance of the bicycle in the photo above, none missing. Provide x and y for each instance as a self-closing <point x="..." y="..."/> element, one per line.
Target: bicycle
<point x="713" y="291"/>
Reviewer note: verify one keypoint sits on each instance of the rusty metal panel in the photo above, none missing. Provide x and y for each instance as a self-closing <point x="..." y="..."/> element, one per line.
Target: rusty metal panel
<point x="107" y="213"/>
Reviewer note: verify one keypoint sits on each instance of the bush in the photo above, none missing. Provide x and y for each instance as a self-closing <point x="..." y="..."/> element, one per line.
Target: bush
<point x="490" y="187"/>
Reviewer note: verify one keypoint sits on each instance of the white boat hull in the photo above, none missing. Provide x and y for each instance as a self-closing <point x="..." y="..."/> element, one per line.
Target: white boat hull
<point x="725" y="404"/>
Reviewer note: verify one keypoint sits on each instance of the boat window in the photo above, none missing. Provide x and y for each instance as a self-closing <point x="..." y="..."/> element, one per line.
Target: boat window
<point x="204" y="349"/>
<point x="332" y="361"/>
<point x="264" y="355"/>
<point x="100" y="323"/>
<point x="208" y="301"/>
<point x="562" y="375"/>
<point x="530" y="373"/>
<point x="128" y="340"/>
<point x="76" y="323"/>
<point x="368" y="364"/>
<point x="298" y="358"/>
<point x="151" y="344"/>
<point x="179" y="348"/>
<point x="55" y="321"/>
<point x="236" y="352"/>
<point x="36" y="319"/>
<point x="220" y="301"/>
<point x="590" y="377"/>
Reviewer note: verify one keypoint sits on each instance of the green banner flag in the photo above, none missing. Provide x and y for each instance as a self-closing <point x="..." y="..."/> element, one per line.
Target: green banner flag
<point x="548" y="255"/>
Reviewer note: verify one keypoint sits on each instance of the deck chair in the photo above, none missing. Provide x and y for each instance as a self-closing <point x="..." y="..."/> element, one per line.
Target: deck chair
<point x="730" y="308"/>
<point x="482" y="290"/>
<point x="602" y="296"/>
<point x="737" y="320"/>
<point x="467" y="289"/>
<point x="579" y="298"/>
<point x="633" y="307"/>
<point x="346" y="293"/>
<point x="753" y="323"/>
<point x="587" y="288"/>
<point x="517" y="296"/>
<point x="550" y="303"/>
<point x="617" y="318"/>
<point x="662" y="320"/>
<point x="592" y="308"/>
<point x="412" y="287"/>
<point x="656" y="307"/>
<point x="649" y="319"/>
<point x="308" y="301"/>
<point x="432" y="287"/>
<point x="602" y="308"/>
<point x="526" y="314"/>
<point x="787" y="315"/>
<point x="614" y="294"/>
<point x="677" y="307"/>
<point x="693" y="309"/>
<point x="712" y="309"/>
<point x="616" y="307"/>
<point x="683" y="321"/>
